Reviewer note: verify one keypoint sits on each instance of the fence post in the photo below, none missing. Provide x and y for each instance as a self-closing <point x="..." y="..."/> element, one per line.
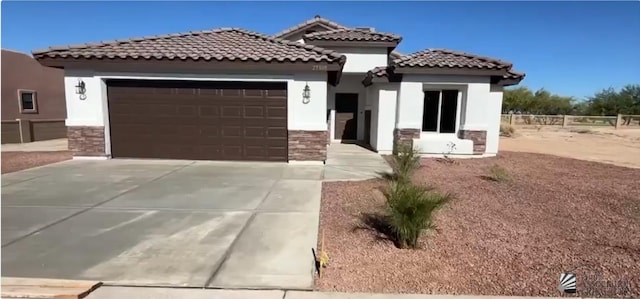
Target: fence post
<point x="565" y="120"/>
<point x="619" y="121"/>
<point x="510" y="118"/>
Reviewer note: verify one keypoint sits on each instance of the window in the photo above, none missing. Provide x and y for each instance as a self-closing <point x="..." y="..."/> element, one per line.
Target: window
<point x="28" y="102"/>
<point x="440" y="111"/>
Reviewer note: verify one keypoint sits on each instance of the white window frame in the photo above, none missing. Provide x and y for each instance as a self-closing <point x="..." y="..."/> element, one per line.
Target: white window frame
<point x="440" y="89"/>
<point x="34" y="100"/>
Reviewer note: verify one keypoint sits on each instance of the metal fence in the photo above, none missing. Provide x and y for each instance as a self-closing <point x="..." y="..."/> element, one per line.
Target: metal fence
<point x="620" y="121"/>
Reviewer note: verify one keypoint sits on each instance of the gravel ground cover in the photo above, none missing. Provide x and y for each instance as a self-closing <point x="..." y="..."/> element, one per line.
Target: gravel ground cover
<point x="495" y="238"/>
<point x="15" y="161"/>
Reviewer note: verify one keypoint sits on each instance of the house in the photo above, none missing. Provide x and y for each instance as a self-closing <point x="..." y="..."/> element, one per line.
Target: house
<point x="233" y="94"/>
<point x="33" y="101"/>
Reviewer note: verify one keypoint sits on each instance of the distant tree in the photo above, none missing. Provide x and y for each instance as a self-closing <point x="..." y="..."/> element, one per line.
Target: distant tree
<point x="517" y="100"/>
<point x="542" y="102"/>
<point x="611" y="102"/>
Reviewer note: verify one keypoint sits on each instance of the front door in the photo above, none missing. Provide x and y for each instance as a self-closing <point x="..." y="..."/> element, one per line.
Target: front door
<point x="346" y="127"/>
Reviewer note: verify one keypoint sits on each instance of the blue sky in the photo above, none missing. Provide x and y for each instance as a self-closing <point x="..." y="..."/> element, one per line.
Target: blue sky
<point x="570" y="48"/>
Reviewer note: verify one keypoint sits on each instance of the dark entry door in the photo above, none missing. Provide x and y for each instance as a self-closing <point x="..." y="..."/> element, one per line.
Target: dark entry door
<point x="346" y="116"/>
<point x="198" y="120"/>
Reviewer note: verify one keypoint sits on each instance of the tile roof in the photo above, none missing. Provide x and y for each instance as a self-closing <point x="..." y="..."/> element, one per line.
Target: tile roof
<point x="317" y="20"/>
<point x="382" y="71"/>
<point x="395" y="54"/>
<point x="442" y="58"/>
<point x="224" y="44"/>
<point x="511" y="74"/>
<point x="379" y="71"/>
<point x="353" y="34"/>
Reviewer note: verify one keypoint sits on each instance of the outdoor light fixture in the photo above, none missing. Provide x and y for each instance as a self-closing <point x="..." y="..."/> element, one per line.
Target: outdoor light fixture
<point x="81" y="90"/>
<point x="306" y="94"/>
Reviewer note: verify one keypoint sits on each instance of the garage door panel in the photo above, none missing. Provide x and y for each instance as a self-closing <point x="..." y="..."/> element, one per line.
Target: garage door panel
<point x="254" y="111"/>
<point x="231" y="93"/>
<point x="209" y="111"/>
<point x="280" y="133"/>
<point x="198" y="120"/>
<point x="280" y="94"/>
<point x="231" y="112"/>
<point x="254" y="132"/>
<point x="254" y="93"/>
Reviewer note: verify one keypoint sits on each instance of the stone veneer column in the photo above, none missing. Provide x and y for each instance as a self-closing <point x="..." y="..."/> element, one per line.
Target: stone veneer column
<point x="86" y="140"/>
<point x="307" y="145"/>
<point x="404" y="137"/>
<point x="479" y="139"/>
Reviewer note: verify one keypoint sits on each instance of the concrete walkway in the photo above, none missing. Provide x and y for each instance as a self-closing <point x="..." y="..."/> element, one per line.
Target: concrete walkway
<point x="139" y="293"/>
<point x="351" y="162"/>
<point x="37" y="146"/>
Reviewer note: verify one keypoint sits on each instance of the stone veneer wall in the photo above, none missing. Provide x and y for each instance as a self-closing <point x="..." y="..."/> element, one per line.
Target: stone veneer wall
<point x="404" y="137"/>
<point x="86" y="141"/>
<point x="479" y="139"/>
<point x="308" y="145"/>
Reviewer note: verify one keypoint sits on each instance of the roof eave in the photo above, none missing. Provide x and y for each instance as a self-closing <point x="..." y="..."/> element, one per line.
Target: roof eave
<point x="117" y="64"/>
<point x="509" y="81"/>
<point x="450" y="71"/>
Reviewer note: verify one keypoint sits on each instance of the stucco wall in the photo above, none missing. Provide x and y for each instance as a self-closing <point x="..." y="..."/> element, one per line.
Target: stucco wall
<point x="386" y="116"/>
<point x="93" y="110"/>
<point x="479" y="110"/>
<point x="21" y="71"/>
<point x="362" y="60"/>
<point x="494" y="110"/>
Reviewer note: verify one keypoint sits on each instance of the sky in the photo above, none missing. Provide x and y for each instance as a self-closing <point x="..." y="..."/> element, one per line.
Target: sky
<point x="569" y="48"/>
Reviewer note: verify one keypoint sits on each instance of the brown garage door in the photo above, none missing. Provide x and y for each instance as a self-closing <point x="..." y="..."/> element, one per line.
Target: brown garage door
<point x="198" y="120"/>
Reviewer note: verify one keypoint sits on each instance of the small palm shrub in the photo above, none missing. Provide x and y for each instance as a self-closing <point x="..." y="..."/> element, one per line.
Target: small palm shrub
<point x="410" y="211"/>
<point x="498" y="174"/>
<point x="507" y="130"/>
<point x="406" y="160"/>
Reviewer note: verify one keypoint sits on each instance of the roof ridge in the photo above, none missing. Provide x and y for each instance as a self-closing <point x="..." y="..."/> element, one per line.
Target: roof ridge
<point x="330" y="54"/>
<point x="315" y="19"/>
<point x="454" y="52"/>
<point x="133" y="39"/>
<point x="286" y="42"/>
<point x="320" y="33"/>
<point x="472" y="56"/>
<point x="325" y="32"/>
<point x="411" y="55"/>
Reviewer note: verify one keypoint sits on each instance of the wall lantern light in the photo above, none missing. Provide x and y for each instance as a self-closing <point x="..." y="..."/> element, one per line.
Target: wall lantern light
<point x="81" y="90"/>
<point x="306" y="94"/>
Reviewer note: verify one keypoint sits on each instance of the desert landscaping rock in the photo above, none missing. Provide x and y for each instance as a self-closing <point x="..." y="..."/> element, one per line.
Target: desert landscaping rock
<point x="15" y="161"/>
<point x="495" y="238"/>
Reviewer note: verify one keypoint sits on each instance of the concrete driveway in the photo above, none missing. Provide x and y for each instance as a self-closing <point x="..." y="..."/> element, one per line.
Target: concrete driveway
<point x="163" y="223"/>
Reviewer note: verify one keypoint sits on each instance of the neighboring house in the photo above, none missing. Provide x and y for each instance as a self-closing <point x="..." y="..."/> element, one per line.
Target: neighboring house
<point x="233" y="94"/>
<point x="33" y="101"/>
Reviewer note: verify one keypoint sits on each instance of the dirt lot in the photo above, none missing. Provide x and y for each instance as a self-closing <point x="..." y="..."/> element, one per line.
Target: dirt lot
<point x="607" y="145"/>
<point x="495" y="238"/>
<point x="15" y="161"/>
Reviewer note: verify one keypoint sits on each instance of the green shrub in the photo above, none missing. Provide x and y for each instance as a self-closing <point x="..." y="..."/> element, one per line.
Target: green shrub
<point x="410" y="211"/>
<point x="498" y="174"/>
<point x="406" y="160"/>
<point x="507" y="130"/>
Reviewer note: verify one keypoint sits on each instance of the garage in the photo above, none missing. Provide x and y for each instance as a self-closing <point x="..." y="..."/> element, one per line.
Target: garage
<point x="198" y="120"/>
